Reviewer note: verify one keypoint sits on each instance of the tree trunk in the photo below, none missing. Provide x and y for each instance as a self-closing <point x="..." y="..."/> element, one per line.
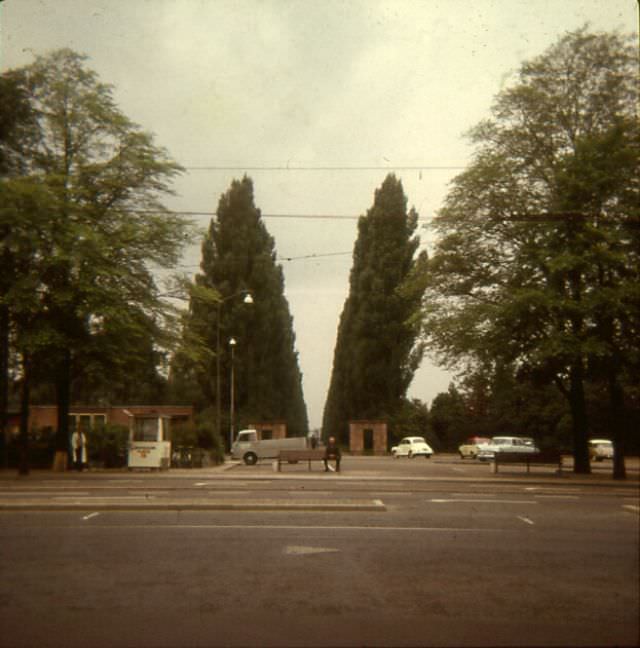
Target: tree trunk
<point x="25" y="399"/>
<point x="579" y="420"/>
<point x="4" y="385"/>
<point x="618" y="422"/>
<point x="63" y="396"/>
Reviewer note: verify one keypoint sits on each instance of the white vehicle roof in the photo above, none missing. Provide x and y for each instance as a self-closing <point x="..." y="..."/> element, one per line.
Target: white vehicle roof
<point x="601" y="441"/>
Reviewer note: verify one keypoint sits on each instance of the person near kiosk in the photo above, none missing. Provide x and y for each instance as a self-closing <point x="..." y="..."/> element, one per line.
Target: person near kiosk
<point x="79" y="449"/>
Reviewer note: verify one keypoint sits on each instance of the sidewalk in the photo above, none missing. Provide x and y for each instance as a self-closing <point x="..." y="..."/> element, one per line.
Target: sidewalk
<point x="355" y="469"/>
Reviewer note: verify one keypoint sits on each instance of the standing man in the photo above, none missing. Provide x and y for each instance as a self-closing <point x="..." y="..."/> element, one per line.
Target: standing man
<point x="332" y="451"/>
<point x="79" y="449"/>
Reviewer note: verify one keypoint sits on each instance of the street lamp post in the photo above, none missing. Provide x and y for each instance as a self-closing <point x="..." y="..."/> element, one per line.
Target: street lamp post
<point x="232" y="412"/>
<point x="248" y="299"/>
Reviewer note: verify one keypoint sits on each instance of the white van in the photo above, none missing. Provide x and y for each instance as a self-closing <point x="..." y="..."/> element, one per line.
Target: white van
<point x="249" y="448"/>
<point x="600" y="449"/>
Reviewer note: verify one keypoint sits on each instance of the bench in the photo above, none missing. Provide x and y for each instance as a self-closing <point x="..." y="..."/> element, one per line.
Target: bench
<point x="293" y="456"/>
<point x="551" y="457"/>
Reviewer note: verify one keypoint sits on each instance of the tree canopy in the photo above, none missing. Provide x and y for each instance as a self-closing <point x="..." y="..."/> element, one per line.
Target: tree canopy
<point x="537" y="257"/>
<point x="239" y="258"/>
<point x="375" y="356"/>
<point x="83" y="225"/>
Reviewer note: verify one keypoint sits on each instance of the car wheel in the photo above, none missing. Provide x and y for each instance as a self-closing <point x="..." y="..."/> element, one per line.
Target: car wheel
<point x="251" y="458"/>
<point x="427" y="456"/>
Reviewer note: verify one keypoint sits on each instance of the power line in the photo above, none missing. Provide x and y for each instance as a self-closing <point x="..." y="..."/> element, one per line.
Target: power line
<point x="426" y="167"/>
<point x="318" y="255"/>
<point x="183" y="212"/>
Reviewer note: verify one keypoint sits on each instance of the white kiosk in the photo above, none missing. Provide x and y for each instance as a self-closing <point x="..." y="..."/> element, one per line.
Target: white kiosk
<point x="149" y="441"/>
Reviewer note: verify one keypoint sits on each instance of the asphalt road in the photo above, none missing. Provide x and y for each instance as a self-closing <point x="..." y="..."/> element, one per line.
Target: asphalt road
<point x="387" y="553"/>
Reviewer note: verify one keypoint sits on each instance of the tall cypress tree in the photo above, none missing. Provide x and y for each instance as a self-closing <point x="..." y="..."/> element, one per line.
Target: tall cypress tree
<point x="376" y="356"/>
<point x="238" y="255"/>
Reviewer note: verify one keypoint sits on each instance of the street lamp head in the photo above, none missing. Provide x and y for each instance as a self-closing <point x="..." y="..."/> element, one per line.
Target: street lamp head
<point x="248" y="299"/>
<point x="232" y="342"/>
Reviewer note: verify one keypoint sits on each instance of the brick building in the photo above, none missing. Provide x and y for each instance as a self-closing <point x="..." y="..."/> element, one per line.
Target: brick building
<point x="86" y="416"/>
<point x="368" y="436"/>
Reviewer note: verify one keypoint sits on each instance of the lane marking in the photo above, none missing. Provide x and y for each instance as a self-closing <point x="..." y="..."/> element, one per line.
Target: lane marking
<point x="566" y="497"/>
<point x="525" y="519"/>
<point x="308" y="551"/>
<point x="480" y="501"/>
<point x="631" y="507"/>
<point x="91" y="515"/>
<point x="36" y="494"/>
<point x="554" y="489"/>
<point x="285" y="527"/>
<point x="234" y="482"/>
<point x="103" y="498"/>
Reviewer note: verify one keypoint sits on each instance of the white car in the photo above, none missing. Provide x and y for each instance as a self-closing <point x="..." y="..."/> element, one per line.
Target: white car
<point x="600" y="449"/>
<point x="412" y="447"/>
<point x="471" y="447"/>
<point x="525" y="445"/>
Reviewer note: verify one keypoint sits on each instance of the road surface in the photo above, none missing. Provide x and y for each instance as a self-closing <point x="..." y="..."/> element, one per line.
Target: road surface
<point x="388" y="553"/>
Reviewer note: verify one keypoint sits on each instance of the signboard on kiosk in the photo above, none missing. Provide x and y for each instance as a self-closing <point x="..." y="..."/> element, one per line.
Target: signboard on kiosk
<point x="149" y="441"/>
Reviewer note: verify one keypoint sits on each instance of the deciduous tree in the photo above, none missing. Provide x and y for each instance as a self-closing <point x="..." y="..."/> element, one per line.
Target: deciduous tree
<point x="102" y="228"/>
<point x="537" y="257"/>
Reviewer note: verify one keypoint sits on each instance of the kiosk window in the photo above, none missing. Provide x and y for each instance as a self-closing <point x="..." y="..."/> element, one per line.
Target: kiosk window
<point x="145" y="429"/>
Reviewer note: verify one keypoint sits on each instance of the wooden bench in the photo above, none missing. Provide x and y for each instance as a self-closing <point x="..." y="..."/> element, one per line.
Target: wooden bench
<point x="293" y="456"/>
<point x="551" y="457"/>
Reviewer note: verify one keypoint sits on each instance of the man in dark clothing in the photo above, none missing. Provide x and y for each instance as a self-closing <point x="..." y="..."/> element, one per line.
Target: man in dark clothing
<point x="332" y="451"/>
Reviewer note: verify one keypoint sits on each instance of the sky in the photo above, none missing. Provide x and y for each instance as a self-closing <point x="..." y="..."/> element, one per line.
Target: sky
<point x="317" y="102"/>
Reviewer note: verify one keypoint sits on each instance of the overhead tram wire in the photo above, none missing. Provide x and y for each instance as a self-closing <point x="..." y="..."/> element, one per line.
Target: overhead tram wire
<point x="541" y="219"/>
<point x="287" y="167"/>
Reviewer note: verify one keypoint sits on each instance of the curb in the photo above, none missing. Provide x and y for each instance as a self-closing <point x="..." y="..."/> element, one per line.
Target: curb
<point x="375" y="505"/>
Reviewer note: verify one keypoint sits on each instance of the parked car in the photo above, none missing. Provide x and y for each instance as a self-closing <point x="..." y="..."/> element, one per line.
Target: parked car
<point x="507" y="444"/>
<point x="412" y="447"/>
<point x="600" y="449"/>
<point x="469" y="449"/>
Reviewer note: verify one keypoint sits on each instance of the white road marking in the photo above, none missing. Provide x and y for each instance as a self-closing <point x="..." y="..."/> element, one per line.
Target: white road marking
<point x="91" y="515"/>
<point x="104" y="498"/>
<point x="286" y="527"/>
<point x="525" y="519"/>
<point x="34" y="494"/>
<point x="631" y="507"/>
<point x="229" y="484"/>
<point x="480" y="501"/>
<point x="566" y="497"/>
<point x="555" y="490"/>
<point x="307" y="551"/>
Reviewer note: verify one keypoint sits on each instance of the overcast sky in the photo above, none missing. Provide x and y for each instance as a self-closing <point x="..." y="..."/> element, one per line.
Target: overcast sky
<point x="316" y="101"/>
